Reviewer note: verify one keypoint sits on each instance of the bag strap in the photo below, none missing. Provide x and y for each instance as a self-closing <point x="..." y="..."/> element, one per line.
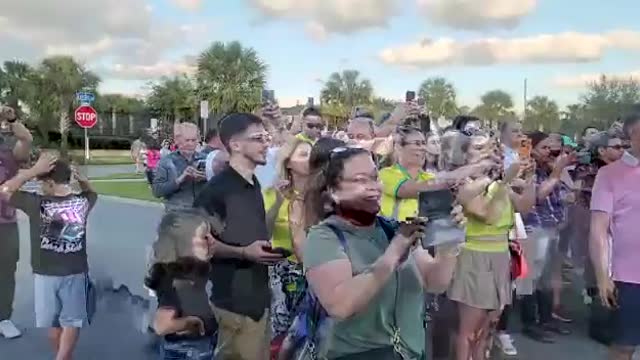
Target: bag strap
<point x="341" y="238"/>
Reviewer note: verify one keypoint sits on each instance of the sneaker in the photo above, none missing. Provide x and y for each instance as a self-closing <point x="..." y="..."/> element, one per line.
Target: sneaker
<point x="556" y="315"/>
<point x="556" y="328"/>
<point x="536" y="333"/>
<point x="9" y="330"/>
<point x="505" y="343"/>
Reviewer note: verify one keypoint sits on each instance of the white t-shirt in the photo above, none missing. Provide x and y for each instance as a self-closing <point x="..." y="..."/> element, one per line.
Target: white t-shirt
<point x="267" y="174"/>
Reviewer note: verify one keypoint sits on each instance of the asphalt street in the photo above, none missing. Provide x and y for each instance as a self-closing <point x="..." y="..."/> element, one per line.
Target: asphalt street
<point x="119" y="235"/>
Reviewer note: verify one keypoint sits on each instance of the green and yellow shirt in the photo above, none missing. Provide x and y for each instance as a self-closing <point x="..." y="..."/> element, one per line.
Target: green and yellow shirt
<point x="392" y="178"/>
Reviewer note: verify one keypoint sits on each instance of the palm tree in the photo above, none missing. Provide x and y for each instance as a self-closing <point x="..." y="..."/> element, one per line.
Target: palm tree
<point x="14" y="83"/>
<point x="542" y="114"/>
<point x="497" y="105"/>
<point x="173" y="99"/>
<point x="343" y="91"/>
<point x="56" y="82"/>
<point x="117" y="104"/>
<point x="440" y="97"/>
<point x="231" y="77"/>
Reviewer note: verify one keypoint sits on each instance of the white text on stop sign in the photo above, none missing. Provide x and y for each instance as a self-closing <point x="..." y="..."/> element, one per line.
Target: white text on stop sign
<point x="85" y="116"/>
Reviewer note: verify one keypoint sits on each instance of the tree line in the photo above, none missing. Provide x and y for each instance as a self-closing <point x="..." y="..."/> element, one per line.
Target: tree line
<point x="231" y="77"/>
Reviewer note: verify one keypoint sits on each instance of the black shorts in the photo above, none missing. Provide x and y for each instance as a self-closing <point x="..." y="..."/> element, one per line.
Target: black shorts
<point x="626" y="318"/>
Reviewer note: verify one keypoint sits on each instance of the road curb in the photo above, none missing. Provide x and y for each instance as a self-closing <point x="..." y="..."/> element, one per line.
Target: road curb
<point x="132" y="201"/>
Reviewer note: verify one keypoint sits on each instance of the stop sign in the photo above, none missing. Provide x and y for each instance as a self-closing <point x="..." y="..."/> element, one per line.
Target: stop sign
<point x="86" y="116"/>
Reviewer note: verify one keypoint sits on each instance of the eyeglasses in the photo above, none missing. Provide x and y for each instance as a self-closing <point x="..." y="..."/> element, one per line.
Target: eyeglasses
<point x="312" y="126"/>
<point x="416" y="142"/>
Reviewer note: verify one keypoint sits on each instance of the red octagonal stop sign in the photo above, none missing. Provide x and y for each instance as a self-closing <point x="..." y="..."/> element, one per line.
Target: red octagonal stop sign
<point x="86" y="116"/>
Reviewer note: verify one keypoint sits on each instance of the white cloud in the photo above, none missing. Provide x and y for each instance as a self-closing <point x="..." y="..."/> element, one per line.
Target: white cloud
<point x="568" y="47"/>
<point x="99" y="33"/>
<point x="316" y="31"/>
<point x="330" y="16"/>
<point x="476" y="14"/>
<point x="581" y="80"/>
<point x="189" y="5"/>
<point x="152" y="71"/>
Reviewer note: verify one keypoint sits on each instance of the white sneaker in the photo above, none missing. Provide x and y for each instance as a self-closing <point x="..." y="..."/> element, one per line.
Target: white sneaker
<point x="505" y="343"/>
<point x="9" y="330"/>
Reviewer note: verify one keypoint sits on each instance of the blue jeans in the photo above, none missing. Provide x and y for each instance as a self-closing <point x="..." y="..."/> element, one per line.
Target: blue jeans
<point x="200" y="349"/>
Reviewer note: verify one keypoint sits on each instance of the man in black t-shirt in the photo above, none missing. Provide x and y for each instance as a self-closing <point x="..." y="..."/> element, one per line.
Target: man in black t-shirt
<point x="58" y="220"/>
<point x="241" y="294"/>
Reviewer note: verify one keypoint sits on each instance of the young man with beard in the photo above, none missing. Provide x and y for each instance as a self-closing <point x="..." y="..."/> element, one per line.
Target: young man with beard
<point x="15" y="144"/>
<point x="241" y="296"/>
<point x="615" y="210"/>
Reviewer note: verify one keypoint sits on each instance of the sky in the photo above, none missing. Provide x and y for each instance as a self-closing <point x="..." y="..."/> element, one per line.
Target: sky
<point x="478" y="45"/>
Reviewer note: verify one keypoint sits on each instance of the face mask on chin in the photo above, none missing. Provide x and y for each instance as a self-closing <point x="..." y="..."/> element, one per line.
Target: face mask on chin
<point x="359" y="212"/>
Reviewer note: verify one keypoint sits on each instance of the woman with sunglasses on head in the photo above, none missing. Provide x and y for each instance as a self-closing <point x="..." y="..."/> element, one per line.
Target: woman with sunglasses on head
<point x="481" y="285"/>
<point x="285" y="223"/>
<point x="362" y="268"/>
<point x="179" y="276"/>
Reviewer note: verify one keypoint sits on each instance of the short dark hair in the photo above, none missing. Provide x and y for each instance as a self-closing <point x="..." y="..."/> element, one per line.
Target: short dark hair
<point x="584" y="131"/>
<point x="629" y="121"/>
<point x="234" y="124"/>
<point x="321" y="151"/>
<point x="211" y="133"/>
<point x="311" y="111"/>
<point x="60" y="174"/>
<point x="537" y="137"/>
<point x="460" y="121"/>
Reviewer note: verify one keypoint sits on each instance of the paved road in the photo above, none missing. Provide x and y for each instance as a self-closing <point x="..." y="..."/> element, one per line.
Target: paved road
<point x="106" y="170"/>
<point x="119" y="233"/>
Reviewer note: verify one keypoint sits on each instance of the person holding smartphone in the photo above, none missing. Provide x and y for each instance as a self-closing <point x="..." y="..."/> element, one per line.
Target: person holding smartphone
<point x="285" y="223"/>
<point x="481" y="286"/>
<point x="15" y="146"/>
<point x="363" y="268"/>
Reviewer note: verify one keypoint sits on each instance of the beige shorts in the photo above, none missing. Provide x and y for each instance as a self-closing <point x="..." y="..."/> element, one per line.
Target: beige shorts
<point x="242" y="338"/>
<point x="482" y="280"/>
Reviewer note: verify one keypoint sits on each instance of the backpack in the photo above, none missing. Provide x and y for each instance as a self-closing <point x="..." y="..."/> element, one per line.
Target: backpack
<point x="312" y="324"/>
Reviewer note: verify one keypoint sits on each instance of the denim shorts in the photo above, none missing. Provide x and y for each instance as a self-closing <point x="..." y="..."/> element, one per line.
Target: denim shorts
<point x="62" y="301"/>
<point x="626" y="317"/>
<point x="197" y="349"/>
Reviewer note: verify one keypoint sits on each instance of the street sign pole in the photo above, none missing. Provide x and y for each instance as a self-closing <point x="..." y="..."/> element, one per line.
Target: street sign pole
<point x="86" y="145"/>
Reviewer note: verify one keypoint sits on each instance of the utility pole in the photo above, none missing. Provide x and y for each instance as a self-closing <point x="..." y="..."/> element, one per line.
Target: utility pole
<point x="524" y="112"/>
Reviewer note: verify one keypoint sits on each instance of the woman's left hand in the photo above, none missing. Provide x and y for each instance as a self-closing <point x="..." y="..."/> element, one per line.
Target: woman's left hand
<point x="457" y="214"/>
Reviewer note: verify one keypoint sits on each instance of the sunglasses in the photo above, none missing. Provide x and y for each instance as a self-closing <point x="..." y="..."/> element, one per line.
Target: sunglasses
<point x="315" y="126"/>
<point x="264" y="138"/>
<point x="618" y="147"/>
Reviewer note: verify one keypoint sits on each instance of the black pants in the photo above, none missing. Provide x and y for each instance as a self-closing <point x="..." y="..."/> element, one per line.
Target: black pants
<point x="503" y="323"/>
<point x="9" y="254"/>
<point x="537" y="308"/>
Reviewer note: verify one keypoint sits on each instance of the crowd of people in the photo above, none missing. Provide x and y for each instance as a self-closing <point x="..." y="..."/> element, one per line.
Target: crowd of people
<point x="317" y="244"/>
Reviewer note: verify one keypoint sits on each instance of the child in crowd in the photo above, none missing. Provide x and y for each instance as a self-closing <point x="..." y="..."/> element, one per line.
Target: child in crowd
<point x="58" y="219"/>
<point x="179" y="276"/>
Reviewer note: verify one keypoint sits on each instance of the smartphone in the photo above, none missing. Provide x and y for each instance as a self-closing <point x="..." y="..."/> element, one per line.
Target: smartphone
<point x="268" y="96"/>
<point x="310" y="101"/>
<point x="410" y="96"/>
<point x="282" y="251"/>
<point x="525" y="149"/>
<point x="437" y="205"/>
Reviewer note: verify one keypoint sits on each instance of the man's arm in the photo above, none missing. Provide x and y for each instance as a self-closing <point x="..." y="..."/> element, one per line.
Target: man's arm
<point x="598" y="244"/>
<point x="22" y="148"/>
<point x="44" y="164"/>
<point x="165" y="180"/>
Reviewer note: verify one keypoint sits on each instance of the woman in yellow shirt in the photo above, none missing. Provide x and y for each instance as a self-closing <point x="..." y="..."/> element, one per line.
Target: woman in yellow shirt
<point x="481" y="285"/>
<point x="283" y="204"/>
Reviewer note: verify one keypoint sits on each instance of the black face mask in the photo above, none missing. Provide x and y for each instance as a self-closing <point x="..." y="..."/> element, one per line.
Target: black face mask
<point x="359" y="212"/>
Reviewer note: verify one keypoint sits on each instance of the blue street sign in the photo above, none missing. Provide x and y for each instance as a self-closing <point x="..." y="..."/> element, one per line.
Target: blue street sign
<point x="85" y="97"/>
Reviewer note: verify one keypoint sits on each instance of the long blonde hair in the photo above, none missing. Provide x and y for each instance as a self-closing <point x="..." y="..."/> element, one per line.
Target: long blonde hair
<point x="284" y="156"/>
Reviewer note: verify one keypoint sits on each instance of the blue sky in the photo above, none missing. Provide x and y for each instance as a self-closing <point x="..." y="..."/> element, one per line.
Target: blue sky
<point x="585" y="39"/>
<point x="296" y="61"/>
